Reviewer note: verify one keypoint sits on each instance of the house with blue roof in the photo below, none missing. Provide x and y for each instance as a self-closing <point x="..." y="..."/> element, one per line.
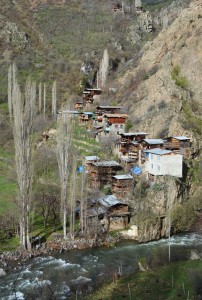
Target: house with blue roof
<point x="163" y="162"/>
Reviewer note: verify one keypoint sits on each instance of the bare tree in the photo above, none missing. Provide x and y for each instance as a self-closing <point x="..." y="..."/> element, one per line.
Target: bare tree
<point x="72" y="197"/>
<point x="83" y="203"/>
<point x="22" y="113"/>
<point x="54" y="99"/>
<point x="40" y="96"/>
<point x="64" y="141"/>
<point x="44" y="98"/>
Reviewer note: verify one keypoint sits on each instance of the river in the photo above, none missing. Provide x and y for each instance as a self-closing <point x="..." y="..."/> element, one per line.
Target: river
<point x="61" y="276"/>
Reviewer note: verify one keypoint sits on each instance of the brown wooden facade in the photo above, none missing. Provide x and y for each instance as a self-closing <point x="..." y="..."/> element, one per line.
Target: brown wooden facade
<point x="115" y="118"/>
<point x="88" y="95"/>
<point x="101" y="173"/>
<point x="106" y="109"/>
<point x="122" y="185"/>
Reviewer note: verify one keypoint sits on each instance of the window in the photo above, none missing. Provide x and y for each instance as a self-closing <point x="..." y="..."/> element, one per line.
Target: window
<point x="152" y="156"/>
<point x="158" y="157"/>
<point x="152" y="166"/>
<point x="158" y="168"/>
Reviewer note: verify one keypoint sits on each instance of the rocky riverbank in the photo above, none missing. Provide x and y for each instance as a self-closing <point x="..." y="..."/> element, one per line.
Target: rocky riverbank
<point x="16" y="259"/>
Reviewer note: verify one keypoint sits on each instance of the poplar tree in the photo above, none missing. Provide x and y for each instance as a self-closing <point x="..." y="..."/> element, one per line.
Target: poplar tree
<point x="54" y="99"/>
<point x="40" y="97"/>
<point x="64" y="142"/>
<point x="44" y="98"/>
<point x="72" y="197"/>
<point x="22" y="110"/>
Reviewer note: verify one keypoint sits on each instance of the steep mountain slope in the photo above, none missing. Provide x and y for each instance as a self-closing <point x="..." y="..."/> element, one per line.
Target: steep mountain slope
<point x="164" y="92"/>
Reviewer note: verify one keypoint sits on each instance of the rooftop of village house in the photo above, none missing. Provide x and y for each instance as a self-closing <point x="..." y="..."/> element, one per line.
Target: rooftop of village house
<point x="123" y="177"/>
<point x="115" y="115"/>
<point x="153" y="141"/>
<point x="133" y="133"/>
<point x="91" y="158"/>
<point x="103" y="163"/>
<point x="180" y="138"/>
<point x="158" y="151"/>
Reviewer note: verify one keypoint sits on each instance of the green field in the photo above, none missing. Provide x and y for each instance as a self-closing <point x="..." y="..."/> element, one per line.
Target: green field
<point x="181" y="280"/>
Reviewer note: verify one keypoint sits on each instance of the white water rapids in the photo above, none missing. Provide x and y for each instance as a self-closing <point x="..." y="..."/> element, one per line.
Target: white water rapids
<point x="61" y="276"/>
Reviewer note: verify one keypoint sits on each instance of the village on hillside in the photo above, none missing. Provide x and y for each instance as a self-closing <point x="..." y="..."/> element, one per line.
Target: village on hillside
<point x="138" y="154"/>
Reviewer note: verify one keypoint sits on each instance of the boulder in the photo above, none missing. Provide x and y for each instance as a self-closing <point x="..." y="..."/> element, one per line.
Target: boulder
<point x="2" y="272"/>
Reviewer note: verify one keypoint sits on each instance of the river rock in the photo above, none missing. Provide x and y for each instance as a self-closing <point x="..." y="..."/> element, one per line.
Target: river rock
<point x="2" y="272"/>
<point x="195" y="255"/>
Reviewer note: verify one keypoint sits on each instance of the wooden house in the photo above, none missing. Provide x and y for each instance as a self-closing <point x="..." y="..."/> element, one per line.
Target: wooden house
<point x="86" y="117"/>
<point x="179" y="144"/>
<point x="129" y="145"/>
<point x="152" y="143"/>
<point x="122" y="185"/>
<point x="79" y="106"/>
<point x="107" y="214"/>
<point x="133" y="136"/>
<point x="88" y="95"/>
<point x="116" y="122"/>
<point x="89" y="160"/>
<point x="107" y="109"/>
<point x="101" y="172"/>
<point x="148" y="144"/>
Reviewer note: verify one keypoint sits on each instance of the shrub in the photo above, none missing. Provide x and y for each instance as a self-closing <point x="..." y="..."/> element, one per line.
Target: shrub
<point x="183" y="217"/>
<point x="150" y="108"/>
<point x="180" y="81"/>
<point x="162" y="104"/>
<point x="128" y="125"/>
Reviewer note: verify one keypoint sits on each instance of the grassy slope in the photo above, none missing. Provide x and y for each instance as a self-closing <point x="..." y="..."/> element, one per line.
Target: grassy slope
<point x="171" y="282"/>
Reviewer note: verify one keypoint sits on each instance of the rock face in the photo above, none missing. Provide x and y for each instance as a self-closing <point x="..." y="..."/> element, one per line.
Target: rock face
<point x="153" y="96"/>
<point x="12" y="35"/>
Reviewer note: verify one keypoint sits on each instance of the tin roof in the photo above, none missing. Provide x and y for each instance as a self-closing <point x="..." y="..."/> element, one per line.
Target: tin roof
<point x="89" y="89"/>
<point x="109" y="201"/>
<point x="134" y="133"/>
<point x="122" y="177"/>
<point x="104" y="163"/>
<point x="181" y="138"/>
<point x="127" y="159"/>
<point x="158" y="151"/>
<point x="108" y="106"/>
<point x="116" y="115"/>
<point x="87" y="113"/>
<point x="90" y="158"/>
<point x="153" y="141"/>
<point x="68" y="112"/>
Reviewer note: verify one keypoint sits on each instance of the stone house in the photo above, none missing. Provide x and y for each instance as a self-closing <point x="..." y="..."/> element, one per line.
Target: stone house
<point x="163" y="162"/>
